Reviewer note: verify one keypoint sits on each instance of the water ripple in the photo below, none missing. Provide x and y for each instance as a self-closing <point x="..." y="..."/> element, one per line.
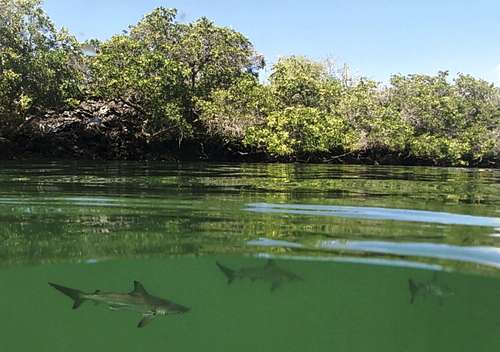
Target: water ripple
<point x="483" y="255"/>
<point x="373" y="213"/>
<point x="474" y="254"/>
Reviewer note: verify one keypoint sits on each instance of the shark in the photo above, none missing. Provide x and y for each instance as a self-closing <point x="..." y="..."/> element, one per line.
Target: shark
<point x="138" y="300"/>
<point x="270" y="272"/>
<point x="429" y="288"/>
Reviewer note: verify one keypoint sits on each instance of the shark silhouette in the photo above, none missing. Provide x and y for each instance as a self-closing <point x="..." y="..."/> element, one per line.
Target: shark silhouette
<point x="429" y="288"/>
<point x="270" y="273"/>
<point x="138" y="300"/>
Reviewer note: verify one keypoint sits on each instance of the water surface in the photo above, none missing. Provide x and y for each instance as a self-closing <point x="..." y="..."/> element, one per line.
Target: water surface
<point x="355" y="235"/>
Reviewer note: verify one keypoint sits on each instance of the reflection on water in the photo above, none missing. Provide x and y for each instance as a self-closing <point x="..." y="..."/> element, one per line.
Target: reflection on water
<point x="477" y="254"/>
<point x="345" y="251"/>
<point x="375" y="213"/>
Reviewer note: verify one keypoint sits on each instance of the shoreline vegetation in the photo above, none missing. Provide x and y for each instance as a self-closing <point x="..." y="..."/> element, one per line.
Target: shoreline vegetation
<point x="166" y="90"/>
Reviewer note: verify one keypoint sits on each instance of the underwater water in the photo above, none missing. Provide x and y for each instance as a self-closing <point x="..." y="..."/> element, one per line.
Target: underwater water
<point x="246" y="257"/>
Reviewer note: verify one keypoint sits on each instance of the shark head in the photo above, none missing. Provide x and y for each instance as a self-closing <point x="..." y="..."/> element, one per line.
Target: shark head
<point x="178" y="309"/>
<point x="442" y="291"/>
<point x="171" y="309"/>
<point x="164" y="308"/>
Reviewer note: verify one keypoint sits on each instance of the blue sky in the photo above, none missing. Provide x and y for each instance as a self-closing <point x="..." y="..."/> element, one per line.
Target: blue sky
<point x="376" y="38"/>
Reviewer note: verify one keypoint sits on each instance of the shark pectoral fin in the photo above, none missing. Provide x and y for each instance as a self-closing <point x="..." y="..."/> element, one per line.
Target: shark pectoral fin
<point x="77" y="303"/>
<point x="138" y="289"/>
<point x="230" y="273"/>
<point x="147" y="318"/>
<point x="413" y="290"/>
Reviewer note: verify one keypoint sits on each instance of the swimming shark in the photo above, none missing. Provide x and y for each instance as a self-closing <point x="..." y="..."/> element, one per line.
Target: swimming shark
<point x="429" y="288"/>
<point x="270" y="273"/>
<point x="138" y="300"/>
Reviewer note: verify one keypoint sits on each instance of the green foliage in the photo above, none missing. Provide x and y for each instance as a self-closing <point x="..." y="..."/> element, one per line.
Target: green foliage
<point x="39" y="65"/>
<point x="165" y="67"/>
<point x="297" y="81"/>
<point x="301" y="130"/>
<point x="379" y="125"/>
<point x="127" y="70"/>
<point x="426" y="102"/>
<point x="454" y="122"/>
<point x="228" y="113"/>
<point x="213" y="57"/>
<point x="438" y="149"/>
<point x="303" y="118"/>
<point x="200" y="80"/>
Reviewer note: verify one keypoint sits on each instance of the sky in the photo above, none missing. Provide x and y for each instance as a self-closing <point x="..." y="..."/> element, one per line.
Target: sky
<point x="376" y="38"/>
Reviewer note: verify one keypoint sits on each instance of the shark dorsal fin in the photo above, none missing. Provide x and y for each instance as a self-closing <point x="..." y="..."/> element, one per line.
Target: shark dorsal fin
<point x="138" y="289"/>
<point x="270" y="263"/>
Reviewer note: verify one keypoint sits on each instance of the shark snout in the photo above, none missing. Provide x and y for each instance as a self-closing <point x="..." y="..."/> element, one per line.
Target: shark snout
<point x="178" y="309"/>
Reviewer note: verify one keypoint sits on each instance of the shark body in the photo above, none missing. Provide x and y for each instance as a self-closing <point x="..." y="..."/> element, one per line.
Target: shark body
<point x="270" y="273"/>
<point x="429" y="288"/>
<point x="138" y="300"/>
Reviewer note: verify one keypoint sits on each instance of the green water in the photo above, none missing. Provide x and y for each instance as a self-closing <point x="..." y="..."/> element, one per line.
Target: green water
<point x="354" y="236"/>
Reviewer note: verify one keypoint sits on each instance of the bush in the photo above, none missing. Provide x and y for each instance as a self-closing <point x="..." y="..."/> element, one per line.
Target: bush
<point x="200" y="80"/>
<point x="164" y="68"/>
<point x="301" y="130"/>
<point x="227" y="114"/>
<point x="40" y="67"/>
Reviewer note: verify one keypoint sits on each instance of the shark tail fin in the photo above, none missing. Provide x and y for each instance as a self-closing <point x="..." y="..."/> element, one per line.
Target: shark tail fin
<point x="413" y="290"/>
<point x="230" y="273"/>
<point x="75" y="295"/>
